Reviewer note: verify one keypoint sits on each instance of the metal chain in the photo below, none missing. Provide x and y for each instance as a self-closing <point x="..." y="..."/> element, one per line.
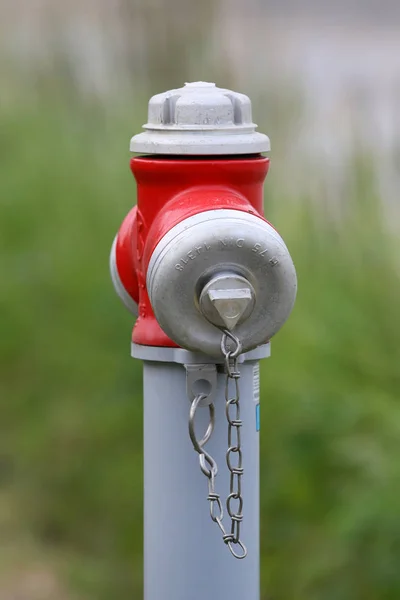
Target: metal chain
<point x="235" y="466"/>
<point x="208" y="465"/>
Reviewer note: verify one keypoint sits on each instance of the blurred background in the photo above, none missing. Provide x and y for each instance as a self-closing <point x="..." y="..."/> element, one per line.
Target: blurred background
<point x="325" y="83"/>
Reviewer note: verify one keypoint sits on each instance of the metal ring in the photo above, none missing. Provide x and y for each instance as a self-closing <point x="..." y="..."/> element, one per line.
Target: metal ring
<point x="204" y="458"/>
<point x="238" y="451"/>
<point x="198" y="446"/>
<point x="242" y="546"/>
<point x="215" y="499"/>
<point x="238" y="514"/>
<point x="231" y="353"/>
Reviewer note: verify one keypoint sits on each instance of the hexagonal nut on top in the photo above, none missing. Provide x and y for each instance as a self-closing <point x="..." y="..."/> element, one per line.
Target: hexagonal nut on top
<point x="200" y="119"/>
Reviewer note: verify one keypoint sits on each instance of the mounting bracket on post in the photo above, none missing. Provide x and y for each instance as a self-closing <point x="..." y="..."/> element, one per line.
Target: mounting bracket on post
<point x="201" y="379"/>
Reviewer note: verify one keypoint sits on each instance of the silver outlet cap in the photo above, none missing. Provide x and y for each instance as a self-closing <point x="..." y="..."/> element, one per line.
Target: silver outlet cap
<point x="221" y="268"/>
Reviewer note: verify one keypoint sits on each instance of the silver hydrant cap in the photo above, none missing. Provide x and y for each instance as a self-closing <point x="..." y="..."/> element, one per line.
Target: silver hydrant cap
<point x="200" y="119"/>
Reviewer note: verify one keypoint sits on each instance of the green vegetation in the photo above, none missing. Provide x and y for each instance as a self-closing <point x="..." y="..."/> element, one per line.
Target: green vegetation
<point x="71" y="408"/>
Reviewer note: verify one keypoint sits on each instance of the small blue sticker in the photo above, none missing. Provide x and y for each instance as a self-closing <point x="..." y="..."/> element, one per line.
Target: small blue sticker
<point x="258" y="423"/>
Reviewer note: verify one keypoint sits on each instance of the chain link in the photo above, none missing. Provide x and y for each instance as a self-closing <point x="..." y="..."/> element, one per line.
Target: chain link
<point x="234" y="456"/>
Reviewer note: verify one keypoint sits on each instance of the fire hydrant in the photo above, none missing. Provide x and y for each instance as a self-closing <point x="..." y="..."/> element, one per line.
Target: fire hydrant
<point x="210" y="281"/>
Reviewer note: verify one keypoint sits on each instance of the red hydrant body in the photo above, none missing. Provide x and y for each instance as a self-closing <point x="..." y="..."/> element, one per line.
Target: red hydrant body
<point x="171" y="190"/>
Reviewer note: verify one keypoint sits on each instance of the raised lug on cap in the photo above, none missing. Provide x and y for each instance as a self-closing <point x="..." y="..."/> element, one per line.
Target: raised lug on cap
<point x="227" y="300"/>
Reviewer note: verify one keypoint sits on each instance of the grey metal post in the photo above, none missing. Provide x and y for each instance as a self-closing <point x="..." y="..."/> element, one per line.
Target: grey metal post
<point x="184" y="554"/>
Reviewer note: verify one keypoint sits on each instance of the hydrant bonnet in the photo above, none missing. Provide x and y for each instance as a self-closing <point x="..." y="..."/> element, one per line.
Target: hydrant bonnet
<point x="200" y="119"/>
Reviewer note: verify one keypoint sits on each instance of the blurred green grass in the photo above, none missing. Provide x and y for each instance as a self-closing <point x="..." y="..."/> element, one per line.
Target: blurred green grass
<point x="71" y="408"/>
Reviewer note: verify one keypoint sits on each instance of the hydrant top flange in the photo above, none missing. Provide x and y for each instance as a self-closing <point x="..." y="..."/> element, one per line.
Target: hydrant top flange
<point x="200" y="119"/>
